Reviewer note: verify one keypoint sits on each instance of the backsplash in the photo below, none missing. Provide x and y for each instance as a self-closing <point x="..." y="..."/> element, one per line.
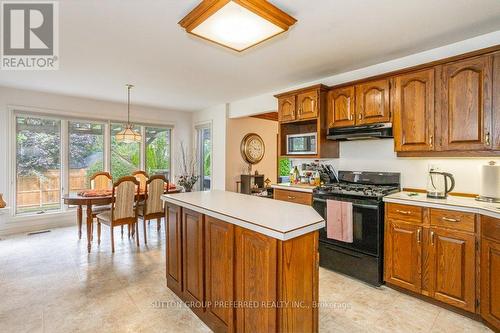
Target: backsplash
<point x="379" y="155"/>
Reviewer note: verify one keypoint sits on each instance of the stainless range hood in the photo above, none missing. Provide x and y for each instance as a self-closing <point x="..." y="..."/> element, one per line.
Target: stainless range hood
<point x="365" y="132"/>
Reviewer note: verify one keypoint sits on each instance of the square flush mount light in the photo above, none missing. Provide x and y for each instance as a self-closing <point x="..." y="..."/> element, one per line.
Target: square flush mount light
<point x="236" y="24"/>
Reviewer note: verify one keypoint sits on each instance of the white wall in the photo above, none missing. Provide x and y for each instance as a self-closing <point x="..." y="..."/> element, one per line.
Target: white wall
<point x="217" y="117"/>
<point x="72" y="106"/>
<point x="379" y="155"/>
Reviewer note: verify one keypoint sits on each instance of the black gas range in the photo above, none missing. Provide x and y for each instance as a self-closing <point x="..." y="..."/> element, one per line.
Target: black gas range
<point x="363" y="258"/>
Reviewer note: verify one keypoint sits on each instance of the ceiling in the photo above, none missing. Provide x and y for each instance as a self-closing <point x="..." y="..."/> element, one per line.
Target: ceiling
<point x="105" y="44"/>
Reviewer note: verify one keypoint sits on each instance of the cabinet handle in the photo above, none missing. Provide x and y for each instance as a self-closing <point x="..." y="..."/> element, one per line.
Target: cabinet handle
<point x="290" y="197"/>
<point x="405" y="212"/>
<point x="487" y="138"/>
<point x="360" y="116"/>
<point x="432" y="237"/>
<point x="450" y="219"/>
<point x="419" y="236"/>
<point x="431" y="137"/>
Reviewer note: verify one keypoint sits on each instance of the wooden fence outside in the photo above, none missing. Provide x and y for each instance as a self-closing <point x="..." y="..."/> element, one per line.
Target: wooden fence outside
<point x="43" y="191"/>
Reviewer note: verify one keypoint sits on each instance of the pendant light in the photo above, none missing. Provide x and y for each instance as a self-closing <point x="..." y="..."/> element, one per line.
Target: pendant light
<point x="128" y="135"/>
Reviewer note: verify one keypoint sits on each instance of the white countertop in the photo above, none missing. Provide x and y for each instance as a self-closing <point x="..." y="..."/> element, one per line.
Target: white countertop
<point x="279" y="219"/>
<point x="294" y="187"/>
<point x="451" y="202"/>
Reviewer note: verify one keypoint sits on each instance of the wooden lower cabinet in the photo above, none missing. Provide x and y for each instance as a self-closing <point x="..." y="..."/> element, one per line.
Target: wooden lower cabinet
<point x="192" y="259"/>
<point x="246" y="281"/>
<point x="490" y="271"/>
<point x="439" y="253"/>
<point x="303" y="198"/>
<point x="256" y="271"/>
<point x="403" y="255"/>
<point x="219" y="272"/>
<point x="453" y="267"/>
<point x="173" y="247"/>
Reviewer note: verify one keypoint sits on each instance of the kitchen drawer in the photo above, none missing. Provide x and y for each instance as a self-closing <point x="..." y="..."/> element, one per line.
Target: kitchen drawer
<point x="490" y="227"/>
<point x="303" y="198"/>
<point x="453" y="219"/>
<point x="405" y="213"/>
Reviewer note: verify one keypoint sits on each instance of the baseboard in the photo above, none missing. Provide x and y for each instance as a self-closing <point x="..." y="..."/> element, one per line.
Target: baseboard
<point x="21" y="225"/>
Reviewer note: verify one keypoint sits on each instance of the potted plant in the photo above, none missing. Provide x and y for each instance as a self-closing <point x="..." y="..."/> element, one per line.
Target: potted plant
<point x="188" y="177"/>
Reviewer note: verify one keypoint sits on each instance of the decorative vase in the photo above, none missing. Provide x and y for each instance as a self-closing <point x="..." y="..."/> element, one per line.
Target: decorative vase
<point x="3" y="204"/>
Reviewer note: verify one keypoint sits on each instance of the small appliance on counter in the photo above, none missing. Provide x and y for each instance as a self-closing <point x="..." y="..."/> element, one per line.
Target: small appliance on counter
<point x="437" y="184"/>
<point x="489" y="190"/>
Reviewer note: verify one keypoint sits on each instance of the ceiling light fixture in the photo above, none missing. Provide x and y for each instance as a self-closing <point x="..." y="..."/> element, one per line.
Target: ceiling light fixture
<point x="236" y="24"/>
<point x="128" y="135"/>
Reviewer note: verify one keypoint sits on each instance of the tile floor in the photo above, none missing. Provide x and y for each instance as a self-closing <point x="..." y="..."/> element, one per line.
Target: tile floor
<point x="48" y="283"/>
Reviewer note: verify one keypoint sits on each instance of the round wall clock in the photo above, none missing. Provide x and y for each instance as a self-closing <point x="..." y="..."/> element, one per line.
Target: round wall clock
<point x="252" y="148"/>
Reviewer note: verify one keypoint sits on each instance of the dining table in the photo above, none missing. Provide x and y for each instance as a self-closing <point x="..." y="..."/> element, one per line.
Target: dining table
<point x="80" y="200"/>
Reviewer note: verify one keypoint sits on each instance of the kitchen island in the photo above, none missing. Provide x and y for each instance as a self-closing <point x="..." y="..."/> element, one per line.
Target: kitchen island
<point x="243" y="263"/>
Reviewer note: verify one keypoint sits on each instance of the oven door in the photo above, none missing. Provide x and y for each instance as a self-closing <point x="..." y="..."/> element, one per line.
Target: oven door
<point x="301" y="144"/>
<point x="367" y="225"/>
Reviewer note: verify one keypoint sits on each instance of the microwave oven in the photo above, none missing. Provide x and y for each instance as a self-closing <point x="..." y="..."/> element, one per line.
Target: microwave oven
<point x="301" y="144"/>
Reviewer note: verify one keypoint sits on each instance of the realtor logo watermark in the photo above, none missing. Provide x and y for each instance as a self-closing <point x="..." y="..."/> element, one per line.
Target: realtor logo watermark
<point x="30" y="35"/>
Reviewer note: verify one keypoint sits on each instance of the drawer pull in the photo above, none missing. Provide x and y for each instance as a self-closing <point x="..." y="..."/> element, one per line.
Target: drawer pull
<point x="444" y="218"/>
<point x="405" y="212"/>
<point x="432" y="237"/>
<point x="419" y="237"/>
<point x="290" y="197"/>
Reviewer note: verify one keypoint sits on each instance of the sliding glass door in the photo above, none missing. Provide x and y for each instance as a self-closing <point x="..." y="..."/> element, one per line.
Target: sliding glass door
<point x="204" y="152"/>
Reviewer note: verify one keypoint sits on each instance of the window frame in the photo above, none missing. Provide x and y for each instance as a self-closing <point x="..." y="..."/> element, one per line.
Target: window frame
<point x="65" y="118"/>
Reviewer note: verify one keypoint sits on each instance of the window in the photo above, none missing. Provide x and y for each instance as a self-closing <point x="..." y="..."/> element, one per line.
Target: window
<point x="158" y="148"/>
<point x="55" y="156"/>
<point x="38" y="164"/>
<point x="125" y="157"/>
<point x="85" y="154"/>
<point x="204" y="153"/>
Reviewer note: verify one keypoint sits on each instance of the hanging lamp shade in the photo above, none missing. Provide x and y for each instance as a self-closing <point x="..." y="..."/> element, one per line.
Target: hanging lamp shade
<point x="128" y="134"/>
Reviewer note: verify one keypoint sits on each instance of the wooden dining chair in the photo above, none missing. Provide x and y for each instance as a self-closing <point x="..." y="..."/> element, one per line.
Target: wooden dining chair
<point x="142" y="177"/>
<point x="152" y="207"/>
<point x="123" y="208"/>
<point x="100" y="181"/>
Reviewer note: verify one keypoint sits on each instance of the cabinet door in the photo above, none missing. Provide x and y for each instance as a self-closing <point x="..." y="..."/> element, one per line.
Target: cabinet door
<point x="307" y="105"/>
<point x="341" y="110"/>
<point x="192" y="258"/>
<point x="286" y="108"/>
<point x="495" y="135"/>
<point x="413" y="107"/>
<point x="256" y="277"/>
<point x="490" y="282"/>
<point x="453" y="267"/>
<point x="466" y="104"/>
<point x="173" y="247"/>
<point x="403" y="247"/>
<point x="219" y="239"/>
<point x="372" y="102"/>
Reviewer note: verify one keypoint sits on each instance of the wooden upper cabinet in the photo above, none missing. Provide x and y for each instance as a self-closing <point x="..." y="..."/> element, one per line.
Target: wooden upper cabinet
<point x="192" y="257"/>
<point x="465" y="97"/>
<point x="413" y="110"/>
<point x="453" y="267"/>
<point x="403" y="246"/>
<point x="307" y="105"/>
<point x="341" y="107"/>
<point x="372" y="102"/>
<point x="495" y="135"/>
<point x="286" y="108"/>
<point x="173" y="225"/>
